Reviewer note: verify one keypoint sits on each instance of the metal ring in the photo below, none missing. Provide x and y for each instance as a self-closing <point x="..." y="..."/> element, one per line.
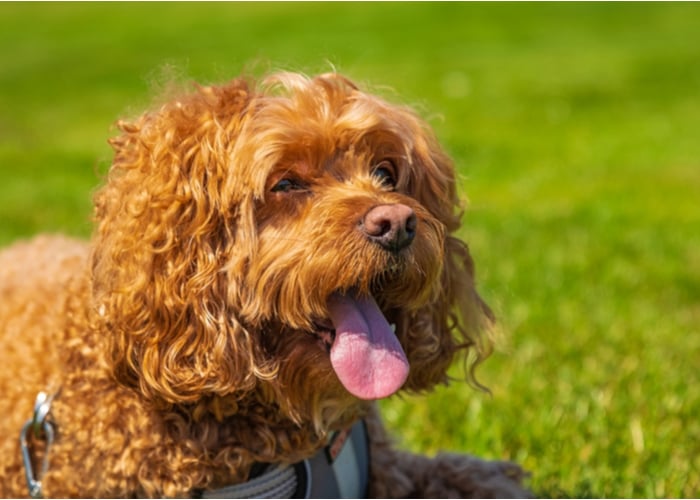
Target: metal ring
<point x="42" y="406"/>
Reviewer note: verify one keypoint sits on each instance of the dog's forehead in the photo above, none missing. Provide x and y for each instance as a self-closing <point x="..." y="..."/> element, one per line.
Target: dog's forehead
<point x="322" y="113"/>
<point x="311" y="147"/>
<point x="313" y="130"/>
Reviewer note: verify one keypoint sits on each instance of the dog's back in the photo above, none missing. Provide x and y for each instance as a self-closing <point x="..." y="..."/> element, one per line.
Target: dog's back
<point x="35" y="281"/>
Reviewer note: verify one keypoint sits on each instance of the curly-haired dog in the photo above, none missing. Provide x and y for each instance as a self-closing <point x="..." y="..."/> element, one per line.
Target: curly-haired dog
<point x="268" y="260"/>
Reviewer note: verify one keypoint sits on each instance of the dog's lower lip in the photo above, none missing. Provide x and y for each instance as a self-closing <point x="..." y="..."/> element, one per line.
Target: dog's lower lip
<point x="323" y="324"/>
<point x="325" y="333"/>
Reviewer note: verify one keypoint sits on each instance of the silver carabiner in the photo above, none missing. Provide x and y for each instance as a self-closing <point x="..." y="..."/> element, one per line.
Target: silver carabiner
<point x="37" y="428"/>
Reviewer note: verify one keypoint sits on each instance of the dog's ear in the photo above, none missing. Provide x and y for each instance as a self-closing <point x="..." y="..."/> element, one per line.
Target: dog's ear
<point x="458" y="319"/>
<point x="164" y="237"/>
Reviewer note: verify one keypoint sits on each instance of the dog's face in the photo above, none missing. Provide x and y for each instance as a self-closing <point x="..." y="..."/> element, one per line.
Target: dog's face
<point x="292" y="242"/>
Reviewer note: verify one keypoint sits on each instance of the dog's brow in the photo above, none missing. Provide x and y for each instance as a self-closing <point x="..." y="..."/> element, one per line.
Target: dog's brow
<point x="295" y="169"/>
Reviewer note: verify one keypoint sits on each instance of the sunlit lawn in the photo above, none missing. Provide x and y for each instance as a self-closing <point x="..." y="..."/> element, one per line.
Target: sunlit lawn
<point x="576" y="128"/>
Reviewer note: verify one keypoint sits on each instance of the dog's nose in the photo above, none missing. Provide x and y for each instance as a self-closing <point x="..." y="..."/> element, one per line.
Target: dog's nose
<point x="391" y="226"/>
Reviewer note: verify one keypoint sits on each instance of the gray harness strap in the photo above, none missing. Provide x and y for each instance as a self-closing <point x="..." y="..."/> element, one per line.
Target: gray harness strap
<point x="278" y="481"/>
<point x="340" y="470"/>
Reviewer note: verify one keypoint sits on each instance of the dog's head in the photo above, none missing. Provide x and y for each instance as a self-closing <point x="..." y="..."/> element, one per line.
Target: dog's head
<point x="292" y="240"/>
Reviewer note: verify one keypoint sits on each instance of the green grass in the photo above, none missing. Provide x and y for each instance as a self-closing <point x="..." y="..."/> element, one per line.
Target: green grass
<point x="576" y="128"/>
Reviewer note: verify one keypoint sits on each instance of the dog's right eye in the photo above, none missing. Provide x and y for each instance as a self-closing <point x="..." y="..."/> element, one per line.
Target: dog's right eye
<point x="287" y="185"/>
<point x="385" y="171"/>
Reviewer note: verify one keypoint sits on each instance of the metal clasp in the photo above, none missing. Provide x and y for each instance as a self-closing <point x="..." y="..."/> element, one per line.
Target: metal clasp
<point x="38" y="428"/>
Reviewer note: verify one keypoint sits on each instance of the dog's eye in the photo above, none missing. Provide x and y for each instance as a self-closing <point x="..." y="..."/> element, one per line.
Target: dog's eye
<point x="385" y="171"/>
<point x="287" y="185"/>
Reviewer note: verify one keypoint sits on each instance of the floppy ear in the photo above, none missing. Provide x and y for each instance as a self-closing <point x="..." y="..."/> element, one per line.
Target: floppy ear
<point x="458" y="319"/>
<point x="165" y="233"/>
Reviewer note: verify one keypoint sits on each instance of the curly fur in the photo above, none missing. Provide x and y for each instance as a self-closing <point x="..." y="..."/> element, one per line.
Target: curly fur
<point x="179" y="336"/>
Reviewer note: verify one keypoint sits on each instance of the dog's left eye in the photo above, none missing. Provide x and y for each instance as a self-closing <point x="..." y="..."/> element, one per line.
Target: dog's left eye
<point x="287" y="185"/>
<point x="385" y="171"/>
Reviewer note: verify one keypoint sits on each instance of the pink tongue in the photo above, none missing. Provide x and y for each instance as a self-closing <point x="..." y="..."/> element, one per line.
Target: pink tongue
<point x="366" y="355"/>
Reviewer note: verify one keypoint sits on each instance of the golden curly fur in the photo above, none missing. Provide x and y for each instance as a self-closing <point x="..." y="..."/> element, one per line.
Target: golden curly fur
<point x="184" y="341"/>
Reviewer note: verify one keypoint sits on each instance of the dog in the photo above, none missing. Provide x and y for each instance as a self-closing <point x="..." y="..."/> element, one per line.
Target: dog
<point x="269" y="259"/>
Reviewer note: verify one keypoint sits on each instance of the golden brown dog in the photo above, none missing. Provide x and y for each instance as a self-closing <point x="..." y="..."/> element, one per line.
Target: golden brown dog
<point x="268" y="260"/>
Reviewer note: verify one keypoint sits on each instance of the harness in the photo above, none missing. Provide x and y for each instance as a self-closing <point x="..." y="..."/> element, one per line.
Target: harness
<point x="340" y="470"/>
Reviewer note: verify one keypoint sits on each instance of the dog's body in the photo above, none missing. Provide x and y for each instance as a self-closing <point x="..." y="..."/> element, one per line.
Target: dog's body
<point x="233" y="307"/>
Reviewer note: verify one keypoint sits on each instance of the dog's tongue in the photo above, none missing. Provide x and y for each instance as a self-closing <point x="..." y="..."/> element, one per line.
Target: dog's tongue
<point x="366" y="355"/>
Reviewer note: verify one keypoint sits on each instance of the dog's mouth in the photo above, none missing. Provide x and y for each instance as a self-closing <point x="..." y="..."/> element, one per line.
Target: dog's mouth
<point x="364" y="351"/>
<point x="324" y="331"/>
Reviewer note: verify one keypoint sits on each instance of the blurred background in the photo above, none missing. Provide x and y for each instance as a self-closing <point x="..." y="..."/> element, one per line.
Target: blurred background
<point x="575" y="128"/>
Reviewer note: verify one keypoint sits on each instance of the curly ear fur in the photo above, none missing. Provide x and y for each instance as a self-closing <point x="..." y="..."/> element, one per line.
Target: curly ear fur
<point x="163" y="236"/>
<point x="458" y="319"/>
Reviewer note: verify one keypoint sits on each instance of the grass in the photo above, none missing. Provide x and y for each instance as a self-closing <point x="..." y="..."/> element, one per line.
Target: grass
<point x="575" y="128"/>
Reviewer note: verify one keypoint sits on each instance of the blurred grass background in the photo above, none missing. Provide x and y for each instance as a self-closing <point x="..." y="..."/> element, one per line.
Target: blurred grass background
<point x="576" y="130"/>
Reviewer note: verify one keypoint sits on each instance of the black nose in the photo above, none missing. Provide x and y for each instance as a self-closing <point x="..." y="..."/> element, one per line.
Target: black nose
<point x="391" y="226"/>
